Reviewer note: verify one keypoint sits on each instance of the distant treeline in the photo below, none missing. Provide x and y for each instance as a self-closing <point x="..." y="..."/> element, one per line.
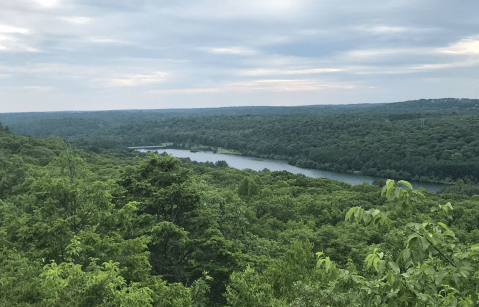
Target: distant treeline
<point x="430" y="140"/>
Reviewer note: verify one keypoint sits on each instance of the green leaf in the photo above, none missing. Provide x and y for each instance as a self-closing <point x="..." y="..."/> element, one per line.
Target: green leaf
<point x="404" y="182"/>
<point x="443" y="225"/>
<point x="390" y="278"/>
<point x="474" y="297"/>
<point x="367" y="217"/>
<point x="397" y="193"/>
<point x="449" y="233"/>
<point x="375" y="264"/>
<point x="412" y="241"/>
<point x="394" y="267"/>
<point x="349" y="214"/>
<point x="388" y="188"/>
<point x="439" y="277"/>
<point x="381" y="266"/>
<point x="407" y="254"/>
<point x="369" y="260"/>
<point x="425" y="243"/>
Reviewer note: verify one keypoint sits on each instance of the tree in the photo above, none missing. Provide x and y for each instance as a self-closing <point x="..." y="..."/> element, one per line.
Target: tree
<point x="185" y="239"/>
<point x="290" y="280"/>
<point x="249" y="186"/>
<point x="68" y="285"/>
<point x="433" y="269"/>
<point x="66" y="204"/>
<point x="248" y="289"/>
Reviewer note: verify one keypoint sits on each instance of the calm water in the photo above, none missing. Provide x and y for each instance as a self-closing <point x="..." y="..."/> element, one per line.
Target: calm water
<point x="258" y="164"/>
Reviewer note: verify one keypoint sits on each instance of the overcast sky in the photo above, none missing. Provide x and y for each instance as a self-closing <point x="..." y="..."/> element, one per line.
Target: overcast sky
<point x="150" y="54"/>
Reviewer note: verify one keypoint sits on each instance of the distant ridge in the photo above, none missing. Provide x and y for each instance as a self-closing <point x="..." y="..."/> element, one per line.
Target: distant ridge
<point x="432" y="139"/>
<point x="421" y="105"/>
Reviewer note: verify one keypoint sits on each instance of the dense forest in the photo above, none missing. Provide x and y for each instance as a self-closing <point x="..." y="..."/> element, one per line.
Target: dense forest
<point x="107" y="226"/>
<point x="424" y="140"/>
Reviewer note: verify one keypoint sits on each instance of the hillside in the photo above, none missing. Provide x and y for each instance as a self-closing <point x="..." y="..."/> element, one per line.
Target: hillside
<point x="428" y="140"/>
<point x="82" y="229"/>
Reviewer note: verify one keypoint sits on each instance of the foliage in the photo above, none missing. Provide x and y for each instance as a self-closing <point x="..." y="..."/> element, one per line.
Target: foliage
<point x="67" y="284"/>
<point x="85" y="229"/>
<point x="463" y="188"/>
<point x="434" y="268"/>
<point x="199" y="291"/>
<point x="424" y="140"/>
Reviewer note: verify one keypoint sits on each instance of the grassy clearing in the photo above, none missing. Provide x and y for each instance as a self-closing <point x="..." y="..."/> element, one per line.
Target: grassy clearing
<point x="227" y="151"/>
<point x="200" y="148"/>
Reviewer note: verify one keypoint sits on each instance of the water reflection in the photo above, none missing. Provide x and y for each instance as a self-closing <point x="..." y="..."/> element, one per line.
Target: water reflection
<point x="258" y="164"/>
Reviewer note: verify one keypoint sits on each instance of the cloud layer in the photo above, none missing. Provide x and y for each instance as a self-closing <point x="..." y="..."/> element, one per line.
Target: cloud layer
<point x="105" y="54"/>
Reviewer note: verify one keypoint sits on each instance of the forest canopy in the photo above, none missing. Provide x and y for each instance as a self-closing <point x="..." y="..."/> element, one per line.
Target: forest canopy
<point x="79" y="228"/>
<point x="425" y="140"/>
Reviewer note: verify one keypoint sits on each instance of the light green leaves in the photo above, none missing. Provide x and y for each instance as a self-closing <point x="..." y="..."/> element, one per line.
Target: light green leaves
<point x="402" y="197"/>
<point x="199" y="291"/>
<point x="73" y="249"/>
<point x="438" y="270"/>
<point x="388" y="188"/>
<point x="445" y="210"/>
<point x="248" y="289"/>
<point x="403" y="182"/>
<point x="372" y="217"/>
<point x="325" y="262"/>
<point x="67" y="284"/>
<point x="375" y="260"/>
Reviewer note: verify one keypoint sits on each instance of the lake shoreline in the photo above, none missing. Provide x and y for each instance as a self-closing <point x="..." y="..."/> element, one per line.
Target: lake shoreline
<point x="258" y="164"/>
<point x="215" y="150"/>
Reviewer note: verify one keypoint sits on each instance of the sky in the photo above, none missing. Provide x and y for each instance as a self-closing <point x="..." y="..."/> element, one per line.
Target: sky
<point x="58" y="55"/>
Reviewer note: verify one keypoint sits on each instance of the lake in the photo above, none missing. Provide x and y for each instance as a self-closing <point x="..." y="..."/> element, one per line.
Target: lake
<point x="258" y="164"/>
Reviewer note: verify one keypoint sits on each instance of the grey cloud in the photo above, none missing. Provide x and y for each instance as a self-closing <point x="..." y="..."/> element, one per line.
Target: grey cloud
<point x="213" y="50"/>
